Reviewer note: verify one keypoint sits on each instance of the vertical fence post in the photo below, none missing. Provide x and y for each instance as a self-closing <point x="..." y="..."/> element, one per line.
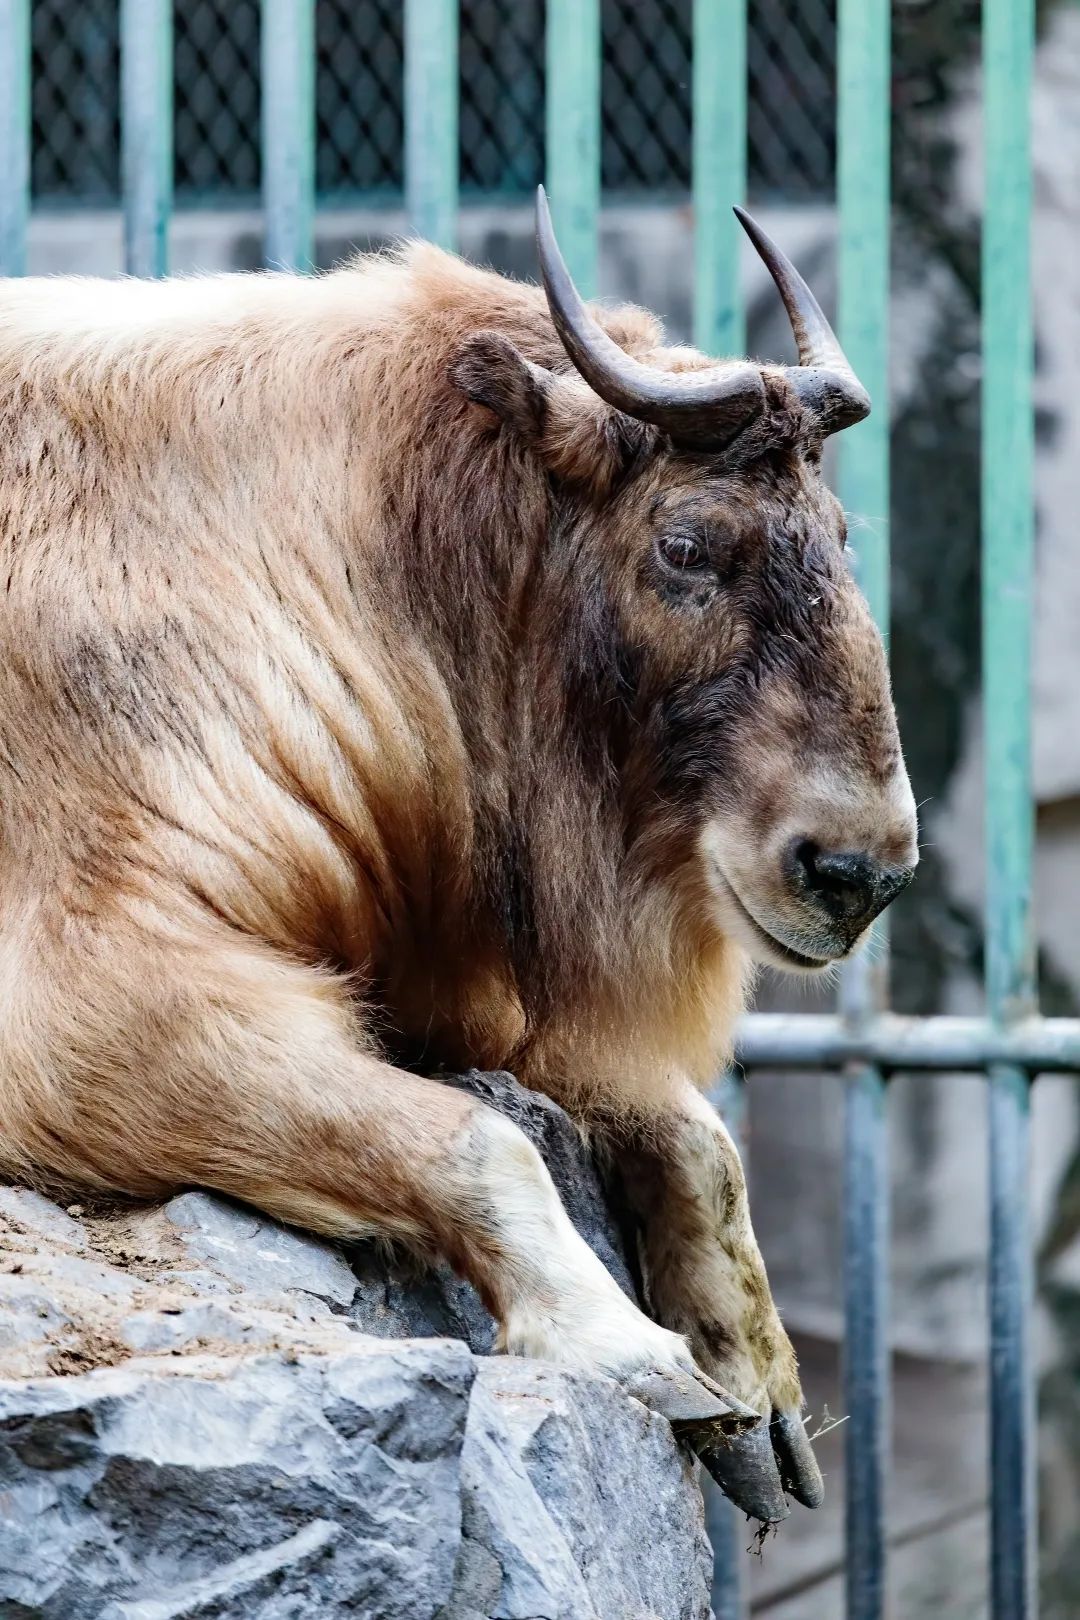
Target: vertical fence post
<point x="146" y="133"/>
<point x="1007" y="578"/>
<point x="14" y="134"/>
<point x="866" y="1356"/>
<point x="725" y="1526"/>
<point x="719" y="180"/>
<point x="288" y="132"/>
<point x="573" y="133"/>
<point x="863" y="198"/>
<point x="719" y="169"/>
<point x="431" y="119"/>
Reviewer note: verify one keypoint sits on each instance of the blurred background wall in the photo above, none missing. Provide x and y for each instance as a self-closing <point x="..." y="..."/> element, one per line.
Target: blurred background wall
<point x="938" y="1133"/>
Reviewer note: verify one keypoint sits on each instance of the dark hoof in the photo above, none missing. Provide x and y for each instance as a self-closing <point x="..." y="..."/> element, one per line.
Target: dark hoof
<point x="799" y="1471"/>
<point x="691" y="1403"/>
<point x="745" y="1470"/>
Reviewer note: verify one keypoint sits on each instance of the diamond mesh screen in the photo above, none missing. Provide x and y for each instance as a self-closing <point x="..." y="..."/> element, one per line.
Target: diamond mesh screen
<point x="75" y="67"/>
<point x="645" y="97"/>
<point x="358" y="89"/>
<point x="216" y="96"/>
<point x="502" y="95"/>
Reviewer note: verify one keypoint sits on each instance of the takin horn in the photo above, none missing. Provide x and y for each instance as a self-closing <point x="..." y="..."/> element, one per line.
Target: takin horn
<point x="703" y="409"/>
<point x="823" y="379"/>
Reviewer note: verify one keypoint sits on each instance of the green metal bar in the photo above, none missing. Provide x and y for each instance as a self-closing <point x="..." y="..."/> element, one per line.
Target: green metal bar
<point x="719" y="177"/>
<point x="893" y="1043"/>
<point x="1008" y="550"/>
<point x="573" y="134"/>
<point x="719" y="158"/>
<point x="724" y="1524"/>
<point x="865" y="1359"/>
<point x="14" y="134"/>
<point x="1007" y="582"/>
<point x="146" y="131"/>
<point x="431" y="119"/>
<point x="863" y="198"/>
<point x="1013" y="1559"/>
<point x="863" y="201"/>
<point x="725" y="1527"/>
<point x="288" y="132"/>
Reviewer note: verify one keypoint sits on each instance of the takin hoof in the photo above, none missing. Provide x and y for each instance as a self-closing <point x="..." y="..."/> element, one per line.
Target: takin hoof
<point x="759" y="1468"/>
<point x="799" y="1472"/>
<point x="745" y="1469"/>
<point x="694" y="1405"/>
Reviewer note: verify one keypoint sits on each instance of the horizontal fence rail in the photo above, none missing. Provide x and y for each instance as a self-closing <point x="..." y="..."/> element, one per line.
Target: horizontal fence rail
<point x="894" y="1043"/>
<point x="863" y="1041"/>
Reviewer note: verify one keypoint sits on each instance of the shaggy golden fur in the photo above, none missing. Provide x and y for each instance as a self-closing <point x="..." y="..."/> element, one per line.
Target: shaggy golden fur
<point x="346" y="735"/>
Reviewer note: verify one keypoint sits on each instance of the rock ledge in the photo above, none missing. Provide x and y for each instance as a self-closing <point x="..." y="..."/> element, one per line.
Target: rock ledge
<point x="206" y="1414"/>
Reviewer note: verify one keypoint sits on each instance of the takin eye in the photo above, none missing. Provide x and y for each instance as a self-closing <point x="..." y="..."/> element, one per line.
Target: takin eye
<point x="682" y="552"/>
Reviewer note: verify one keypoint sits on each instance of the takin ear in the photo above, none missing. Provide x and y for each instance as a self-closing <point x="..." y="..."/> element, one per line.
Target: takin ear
<point x="576" y="435"/>
<point x="490" y="371"/>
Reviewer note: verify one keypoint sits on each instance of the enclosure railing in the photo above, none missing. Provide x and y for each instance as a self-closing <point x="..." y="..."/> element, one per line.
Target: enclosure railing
<point x="862" y="1041"/>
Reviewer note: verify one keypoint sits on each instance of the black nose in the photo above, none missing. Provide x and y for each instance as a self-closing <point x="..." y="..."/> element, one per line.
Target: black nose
<point x="848" y="884"/>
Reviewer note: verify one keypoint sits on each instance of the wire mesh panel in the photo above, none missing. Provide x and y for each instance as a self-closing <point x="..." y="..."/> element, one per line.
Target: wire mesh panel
<point x="218" y="126"/>
<point x="359" y="97"/>
<point x="360" y="127"/>
<point x="647" y="95"/>
<point x="502" y="95"/>
<point x="791" y="110"/>
<point x="791" y="70"/>
<point x="75" y="100"/>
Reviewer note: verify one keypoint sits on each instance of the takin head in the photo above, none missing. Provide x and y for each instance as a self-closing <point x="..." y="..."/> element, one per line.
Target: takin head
<point x="750" y="674"/>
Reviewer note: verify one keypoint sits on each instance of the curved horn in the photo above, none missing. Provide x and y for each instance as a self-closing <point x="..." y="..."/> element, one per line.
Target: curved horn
<point x="705" y="408"/>
<point x="823" y="379"/>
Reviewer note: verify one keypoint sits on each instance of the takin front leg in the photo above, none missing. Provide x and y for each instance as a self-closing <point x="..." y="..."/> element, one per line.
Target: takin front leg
<point x="706" y="1280"/>
<point x="229" y="1067"/>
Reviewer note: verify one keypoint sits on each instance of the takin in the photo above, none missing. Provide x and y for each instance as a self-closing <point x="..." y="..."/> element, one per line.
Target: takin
<point x="404" y="670"/>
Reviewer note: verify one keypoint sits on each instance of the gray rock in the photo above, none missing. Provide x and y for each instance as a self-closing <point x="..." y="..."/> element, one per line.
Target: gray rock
<point x="513" y="1563"/>
<point x="260" y="1255"/>
<point x="249" y="1580"/>
<point x="22" y="1210"/>
<point x="403" y="1482"/>
<point x="201" y="1322"/>
<point x="87" y="1275"/>
<point x="615" y="1484"/>
<point x="27" y="1314"/>
<point x="244" y="1449"/>
<point x="264" y="1487"/>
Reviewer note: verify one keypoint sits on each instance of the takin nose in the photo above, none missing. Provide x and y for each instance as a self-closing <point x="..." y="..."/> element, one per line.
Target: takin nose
<point x="850" y="886"/>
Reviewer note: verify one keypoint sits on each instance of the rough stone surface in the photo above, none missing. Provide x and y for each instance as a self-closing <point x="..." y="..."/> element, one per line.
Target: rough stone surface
<point x="201" y="1416"/>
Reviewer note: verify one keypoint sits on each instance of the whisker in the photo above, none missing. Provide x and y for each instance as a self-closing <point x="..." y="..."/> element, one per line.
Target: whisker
<point x="870" y="525"/>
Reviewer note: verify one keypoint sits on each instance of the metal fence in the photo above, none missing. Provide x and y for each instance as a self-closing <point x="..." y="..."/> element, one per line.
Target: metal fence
<point x="359" y="98"/>
<point x="862" y="1042"/>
